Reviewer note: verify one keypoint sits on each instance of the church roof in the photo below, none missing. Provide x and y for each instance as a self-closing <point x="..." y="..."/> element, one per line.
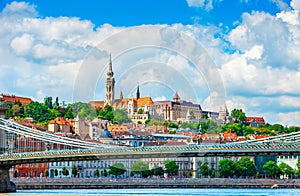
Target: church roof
<point x="176" y="96"/>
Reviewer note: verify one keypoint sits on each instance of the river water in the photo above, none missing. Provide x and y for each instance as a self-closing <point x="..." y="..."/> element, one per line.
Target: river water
<point x="201" y="192"/>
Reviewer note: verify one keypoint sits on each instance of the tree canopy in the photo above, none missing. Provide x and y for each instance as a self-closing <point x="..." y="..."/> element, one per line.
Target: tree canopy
<point x="117" y="169"/>
<point x="140" y="168"/>
<point x="245" y="167"/>
<point x="171" y="168"/>
<point x="238" y="115"/>
<point x="272" y="169"/>
<point x="226" y="168"/>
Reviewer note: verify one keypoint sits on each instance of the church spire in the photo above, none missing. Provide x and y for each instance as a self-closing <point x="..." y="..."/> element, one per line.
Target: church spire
<point x="109" y="71"/>
<point x="121" y="95"/>
<point x="138" y="92"/>
<point x="110" y="84"/>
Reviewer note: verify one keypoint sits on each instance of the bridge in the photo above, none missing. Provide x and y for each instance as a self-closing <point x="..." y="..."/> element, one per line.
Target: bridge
<point x="20" y="144"/>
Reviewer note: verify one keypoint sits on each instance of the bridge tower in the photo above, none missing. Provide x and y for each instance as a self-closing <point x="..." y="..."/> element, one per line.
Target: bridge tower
<point x="6" y="186"/>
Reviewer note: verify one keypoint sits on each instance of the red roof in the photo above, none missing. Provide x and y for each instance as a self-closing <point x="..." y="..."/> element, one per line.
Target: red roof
<point x="97" y="104"/>
<point x="259" y="120"/>
<point x="13" y="98"/>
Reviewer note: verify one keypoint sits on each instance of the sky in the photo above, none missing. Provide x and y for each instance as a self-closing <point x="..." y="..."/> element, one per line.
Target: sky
<point x="245" y="53"/>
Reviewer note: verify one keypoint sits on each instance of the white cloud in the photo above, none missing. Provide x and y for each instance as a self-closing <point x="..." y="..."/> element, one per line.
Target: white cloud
<point x="22" y="45"/>
<point x="161" y="98"/>
<point x="205" y="4"/>
<point x="295" y="4"/>
<point x="21" y="9"/>
<point x="281" y="4"/>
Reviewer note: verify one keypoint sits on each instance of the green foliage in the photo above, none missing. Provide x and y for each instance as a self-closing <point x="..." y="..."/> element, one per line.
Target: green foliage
<point x="238" y="115"/>
<point x="105" y="173"/>
<point x="147" y="121"/>
<point x="46" y="173"/>
<point x="171" y="168"/>
<point x="153" y="121"/>
<point x="74" y="171"/>
<point x="38" y="112"/>
<point x="106" y="113"/>
<point x="172" y="132"/>
<point x="83" y="110"/>
<point x="139" y="122"/>
<point x="158" y="171"/>
<point x="204" y="116"/>
<point x="245" y="167"/>
<point x="140" y="111"/>
<point x="97" y="173"/>
<point x="172" y="125"/>
<point x="212" y="127"/>
<point x="286" y="169"/>
<point x="272" y="169"/>
<point x="55" y="172"/>
<point x="140" y="167"/>
<point x="190" y="174"/>
<point x="204" y="170"/>
<point x="69" y="114"/>
<point x="120" y="116"/>
<point x="117" y="169"/>
<point x="226" y="168"/>
<point x="64" y="171"/>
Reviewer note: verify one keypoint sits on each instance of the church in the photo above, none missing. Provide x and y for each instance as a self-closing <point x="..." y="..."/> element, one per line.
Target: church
<point x="140" y="109"/>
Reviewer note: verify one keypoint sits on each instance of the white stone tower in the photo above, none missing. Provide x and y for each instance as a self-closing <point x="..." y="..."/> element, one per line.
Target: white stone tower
<point x="110" y="84"/>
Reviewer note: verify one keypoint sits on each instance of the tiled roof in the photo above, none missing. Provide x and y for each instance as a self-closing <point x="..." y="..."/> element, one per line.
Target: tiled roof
<point x="259" y="120"/>
<point x="61" y="121"/>
<point x="13" y="98"/>
<point x="97" y="103"/>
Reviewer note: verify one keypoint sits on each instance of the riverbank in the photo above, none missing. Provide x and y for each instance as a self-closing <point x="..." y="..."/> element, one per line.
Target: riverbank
<point x="108" y="183"/>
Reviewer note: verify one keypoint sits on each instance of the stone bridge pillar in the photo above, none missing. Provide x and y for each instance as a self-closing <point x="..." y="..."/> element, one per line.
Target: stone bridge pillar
<point x="6" y="185"/>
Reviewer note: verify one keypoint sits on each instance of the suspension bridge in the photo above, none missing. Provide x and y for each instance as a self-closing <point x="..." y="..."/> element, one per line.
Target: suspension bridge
<point x="20" y="145"/>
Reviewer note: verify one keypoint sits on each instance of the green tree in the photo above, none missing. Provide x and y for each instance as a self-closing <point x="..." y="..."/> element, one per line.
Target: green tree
<point x="158" y="171"/>
<point x="226" y="168"/>
<point x="140" y="167"/>
<point x="147" y="121"/>
<point x="106" y="113"/>
<point x="140" y="111"/>
<point x="172" y="125"/>
<point x="38" y="112"/>
<point x="64" y="171"/>
<point x="55" y="172"/>
<point x="97" y="173"/>
<point x="120" y="116"/>
<point x="74" y="171"/>
<point x="204" y="116"/>
<point x="83" y="110"/>
<point x="238" y="115"/>
<point x="171" y="168"/>
<point x="204" y="170"/>
<point x="117" y="169"/>
<point x="245" y="167"/>
<point x="286" y="169"/>
<point x="105" y="173"/>
<point x="272" y="169"/>
<point x="46" y="173"/>
<point x="69" y="114"/>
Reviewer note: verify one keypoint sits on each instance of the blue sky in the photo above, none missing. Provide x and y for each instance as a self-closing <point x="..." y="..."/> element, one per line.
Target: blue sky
<point x="254" y="45"/>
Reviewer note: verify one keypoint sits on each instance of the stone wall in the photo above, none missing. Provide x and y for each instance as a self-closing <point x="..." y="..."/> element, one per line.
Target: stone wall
<point x="5" y="184"/>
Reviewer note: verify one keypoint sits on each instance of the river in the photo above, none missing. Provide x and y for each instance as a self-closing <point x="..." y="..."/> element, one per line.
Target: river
<point x="201" y="192"/>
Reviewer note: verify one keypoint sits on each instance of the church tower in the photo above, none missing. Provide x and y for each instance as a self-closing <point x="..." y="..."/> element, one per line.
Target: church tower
<point x="138" y="92"/>
<point x="110" y="85"/>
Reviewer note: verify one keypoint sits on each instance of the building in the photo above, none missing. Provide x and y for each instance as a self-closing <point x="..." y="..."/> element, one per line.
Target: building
<point x="13" y="99"/>
<point x="176" y="110"/>
<point x="61" y="124"/>
<point x="255" y="121"/>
